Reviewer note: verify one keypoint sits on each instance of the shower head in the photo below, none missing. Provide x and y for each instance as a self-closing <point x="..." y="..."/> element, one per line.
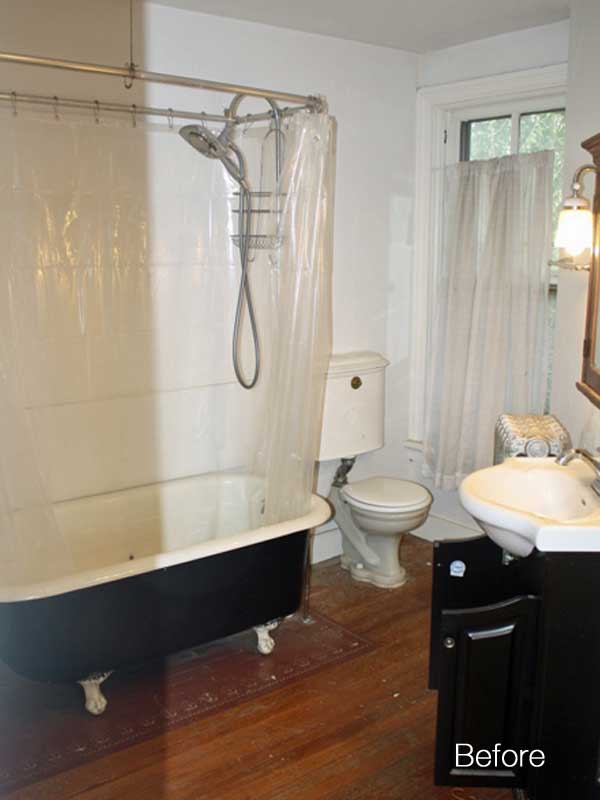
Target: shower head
<point x="204" y="141"/>
<point x="220" y="147"/>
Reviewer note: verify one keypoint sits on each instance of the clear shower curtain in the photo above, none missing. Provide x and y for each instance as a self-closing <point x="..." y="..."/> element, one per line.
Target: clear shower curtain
<point x="301" y="331"/>
<point x="118" y="280"/>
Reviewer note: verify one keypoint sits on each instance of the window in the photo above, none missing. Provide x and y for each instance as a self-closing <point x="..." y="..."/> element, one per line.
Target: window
<point x="441" y="112"/>
<point x="527" y="132"/>
<point x="485" y="138"/>
<point x="522" y="132"/>
<point x="545" y="130"/>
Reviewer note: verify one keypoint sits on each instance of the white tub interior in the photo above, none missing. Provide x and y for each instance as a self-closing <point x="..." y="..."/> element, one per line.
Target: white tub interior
<point x="107" y="529"/>
<point x="119" y="534"/>
<point x="160" y="518"/>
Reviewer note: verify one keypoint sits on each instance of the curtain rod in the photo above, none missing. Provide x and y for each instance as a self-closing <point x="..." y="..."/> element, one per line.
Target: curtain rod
<point x="132" y="73"/>
<point x="171" y="113"/>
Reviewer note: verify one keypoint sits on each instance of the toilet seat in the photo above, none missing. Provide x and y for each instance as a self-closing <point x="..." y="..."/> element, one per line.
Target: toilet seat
<point x="387" y="495"/>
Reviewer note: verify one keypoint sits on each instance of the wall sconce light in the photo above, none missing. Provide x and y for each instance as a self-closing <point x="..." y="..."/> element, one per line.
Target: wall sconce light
<point x="575" y="231"/>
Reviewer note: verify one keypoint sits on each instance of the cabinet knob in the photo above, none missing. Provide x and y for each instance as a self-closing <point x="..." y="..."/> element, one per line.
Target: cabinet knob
<point x="356" y="382"/>
<point x="449" y="642"/>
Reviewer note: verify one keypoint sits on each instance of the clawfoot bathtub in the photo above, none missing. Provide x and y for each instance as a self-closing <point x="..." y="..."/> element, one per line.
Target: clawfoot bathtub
<point x="200" y="567"/>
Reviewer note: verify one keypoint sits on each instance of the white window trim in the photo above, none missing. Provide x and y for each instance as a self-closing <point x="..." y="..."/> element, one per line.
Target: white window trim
<point x="436" y="106"/>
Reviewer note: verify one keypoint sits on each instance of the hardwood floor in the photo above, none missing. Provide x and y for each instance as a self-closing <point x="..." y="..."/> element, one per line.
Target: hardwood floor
<point x="360" y="730"/>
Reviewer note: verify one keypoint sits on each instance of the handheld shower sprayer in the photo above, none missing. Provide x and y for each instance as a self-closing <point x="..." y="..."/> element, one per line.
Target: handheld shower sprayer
<point x="227" y="152"/>
<point x="205" y="141"/>
<point x="220" y="147"/>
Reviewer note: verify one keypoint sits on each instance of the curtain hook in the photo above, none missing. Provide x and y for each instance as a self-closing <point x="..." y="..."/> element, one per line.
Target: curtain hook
<point x="128" y="79"/>
<point x="56" y="116"/>
<point x="133" y="115"/>
<point x="13" y="99"/>
<point x="170" y="118"/>
<point x="131" y="66"/>
<point x="96" y="112"/>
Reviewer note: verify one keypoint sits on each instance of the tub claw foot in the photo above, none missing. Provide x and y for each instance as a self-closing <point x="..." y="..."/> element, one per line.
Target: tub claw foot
<point x="265" y="642"/>
<point x="95" y="701"/>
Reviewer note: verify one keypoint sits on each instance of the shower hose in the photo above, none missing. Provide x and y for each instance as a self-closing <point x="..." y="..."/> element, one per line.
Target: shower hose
<point x="244" y="293"/>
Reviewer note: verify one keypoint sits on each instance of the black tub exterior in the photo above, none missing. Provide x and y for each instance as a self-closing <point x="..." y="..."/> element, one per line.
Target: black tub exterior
<point x="99" y="628"/>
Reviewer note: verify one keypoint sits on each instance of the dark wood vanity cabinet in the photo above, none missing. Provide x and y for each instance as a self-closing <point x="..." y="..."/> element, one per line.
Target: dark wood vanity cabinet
<point x="515" y="657"/>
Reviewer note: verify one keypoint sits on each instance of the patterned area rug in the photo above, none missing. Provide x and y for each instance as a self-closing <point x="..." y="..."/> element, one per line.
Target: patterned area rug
<point x="45" y="729"/>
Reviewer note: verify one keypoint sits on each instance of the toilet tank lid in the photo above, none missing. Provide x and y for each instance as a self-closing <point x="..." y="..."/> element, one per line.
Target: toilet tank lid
<point x="388" y="493"/>
<point x="356" y="362"/>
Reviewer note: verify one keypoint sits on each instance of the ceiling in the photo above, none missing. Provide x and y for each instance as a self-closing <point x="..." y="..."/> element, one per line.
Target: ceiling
<point x="417" y="25"/>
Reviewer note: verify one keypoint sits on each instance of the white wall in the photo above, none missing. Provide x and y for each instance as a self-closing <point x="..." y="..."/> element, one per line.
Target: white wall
<point x="509" y="52"/>
<point x="371" y="92"/>
<point x="583" y="120"/>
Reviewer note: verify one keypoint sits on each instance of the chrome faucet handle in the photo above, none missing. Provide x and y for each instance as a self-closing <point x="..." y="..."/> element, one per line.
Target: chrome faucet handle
<point x="566" y="457"/>
<point x="587" y="458"/>
<point x="577" y="452"/>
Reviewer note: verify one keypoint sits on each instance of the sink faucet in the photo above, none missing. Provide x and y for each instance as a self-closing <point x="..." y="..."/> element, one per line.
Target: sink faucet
<point x="584" y="455"/>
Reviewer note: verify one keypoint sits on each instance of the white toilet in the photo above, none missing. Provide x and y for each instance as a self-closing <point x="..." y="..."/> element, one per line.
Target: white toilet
<point x="372" y="514"/>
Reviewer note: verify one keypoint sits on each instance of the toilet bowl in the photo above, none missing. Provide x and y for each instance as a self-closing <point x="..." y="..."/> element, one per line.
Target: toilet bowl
<point x="373" y="515"/>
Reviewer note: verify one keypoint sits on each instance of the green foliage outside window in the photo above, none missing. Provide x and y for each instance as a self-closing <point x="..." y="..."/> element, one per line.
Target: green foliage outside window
<point x="546" y="131"/>
<point x="542" y="130"/>
<point x="489" y="138"/>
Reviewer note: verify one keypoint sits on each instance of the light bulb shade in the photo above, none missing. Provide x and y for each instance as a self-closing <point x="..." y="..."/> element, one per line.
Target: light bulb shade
<point x="575" y="230"/>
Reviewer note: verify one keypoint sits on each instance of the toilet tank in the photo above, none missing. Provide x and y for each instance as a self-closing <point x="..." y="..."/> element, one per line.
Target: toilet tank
<point x="354" y="405"/>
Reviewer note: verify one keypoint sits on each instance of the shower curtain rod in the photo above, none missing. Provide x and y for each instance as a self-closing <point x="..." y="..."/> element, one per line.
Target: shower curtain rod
<point x="131" y="73"/>
<point x="97" y="106"/>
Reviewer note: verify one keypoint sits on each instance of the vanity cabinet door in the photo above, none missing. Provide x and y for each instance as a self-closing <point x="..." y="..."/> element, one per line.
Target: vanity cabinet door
<point x="486" y="672"/>
<point x="473" y="573"/>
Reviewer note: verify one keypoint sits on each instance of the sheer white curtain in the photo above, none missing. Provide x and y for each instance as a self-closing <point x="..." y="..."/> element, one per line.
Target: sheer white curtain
<point x="488" y="352"/>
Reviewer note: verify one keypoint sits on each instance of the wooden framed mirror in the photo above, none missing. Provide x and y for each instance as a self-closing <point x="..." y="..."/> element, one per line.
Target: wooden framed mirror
<point x="590" y="373"/>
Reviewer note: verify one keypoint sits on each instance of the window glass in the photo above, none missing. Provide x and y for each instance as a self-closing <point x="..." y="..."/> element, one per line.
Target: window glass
<point x="545" y="130"/>
<point x="486" y="138"/>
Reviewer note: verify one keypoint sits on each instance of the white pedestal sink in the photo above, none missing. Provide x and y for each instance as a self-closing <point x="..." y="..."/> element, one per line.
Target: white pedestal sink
<point x="533" y="502"/>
